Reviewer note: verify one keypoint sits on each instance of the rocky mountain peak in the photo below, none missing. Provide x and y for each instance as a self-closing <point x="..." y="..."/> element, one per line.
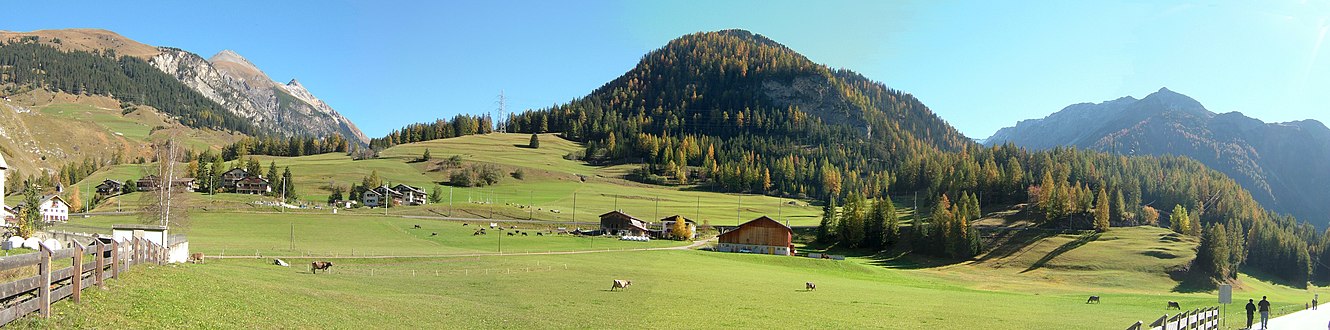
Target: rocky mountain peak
<point x="1168" y="100"/>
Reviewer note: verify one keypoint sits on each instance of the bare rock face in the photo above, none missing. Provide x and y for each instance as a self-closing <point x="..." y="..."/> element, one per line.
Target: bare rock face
<point x="243" y="89"/>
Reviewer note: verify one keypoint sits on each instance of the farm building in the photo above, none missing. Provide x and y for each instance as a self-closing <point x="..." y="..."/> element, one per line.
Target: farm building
<point x="762" y="235"/>
<point x="618" y="223"/>
<point x="668" y="222"/>
<point x="110" y="187"/>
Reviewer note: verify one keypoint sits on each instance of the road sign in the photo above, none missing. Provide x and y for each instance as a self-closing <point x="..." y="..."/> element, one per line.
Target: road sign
<point x="1225" y="294"/>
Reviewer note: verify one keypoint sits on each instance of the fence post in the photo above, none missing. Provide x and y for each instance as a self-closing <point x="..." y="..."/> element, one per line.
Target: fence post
<point x="115" y="258"/>
<point x="77" y="279"/>
<point x="44" y="281"/>
<point x="101" y="262"/>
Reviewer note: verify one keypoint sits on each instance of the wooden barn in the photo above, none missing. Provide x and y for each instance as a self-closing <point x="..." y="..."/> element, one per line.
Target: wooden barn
<point x="762" y="235"/>
<point x="618" y="223"/>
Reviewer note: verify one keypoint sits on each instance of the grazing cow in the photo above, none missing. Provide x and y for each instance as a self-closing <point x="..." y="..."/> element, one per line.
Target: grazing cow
<point x="510" y="233"/>
<point x="417" y="227"/>
<point x="465" y="224"/>
<point x="434" y="234"/>
<point x="1092" y="300"/>
<point x="539" y="234"/>
<point x="196" y="258"/>
<point x="523" y="234"/>
<point x="810" y="286"/>
<point x="621" y="284"/>
<point x="1173" y="305"/>
<point x="316" y="266"/>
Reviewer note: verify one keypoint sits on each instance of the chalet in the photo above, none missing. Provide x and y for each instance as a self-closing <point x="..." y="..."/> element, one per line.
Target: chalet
<point x="411" y="195"/>
<point x="379" y="196"/>
<point x="618" y="223"/>
<point x="148" y="183"/>
<point x="668" y="222"/>
<point x="762" y="235"/>
<point x="52" y="208"/>
<point x="253" y="185"/>
<point x="232" y="177"/>
<point x="110" y="187"/>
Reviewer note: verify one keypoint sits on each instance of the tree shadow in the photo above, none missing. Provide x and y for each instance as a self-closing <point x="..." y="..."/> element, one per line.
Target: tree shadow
<point x="1078" y="242"/>
<point x="1008" y="242"/>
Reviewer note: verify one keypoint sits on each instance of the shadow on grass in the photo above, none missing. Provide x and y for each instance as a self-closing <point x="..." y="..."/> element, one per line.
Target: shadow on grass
<point x="1189" y="282"/>
<point x="1078" y="242"/>
<point x="1008" y="242"/>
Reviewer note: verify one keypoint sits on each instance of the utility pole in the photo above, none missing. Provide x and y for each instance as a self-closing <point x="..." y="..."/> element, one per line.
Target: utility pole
<point x="450" y="202"/>
<point x="780" y="204"/>
<point x="574" y="206"/>
<point x="531" y="205"/>
<point x="698" y="210"/>
<point x="500" y="121"/>
<point x="738" y="211"/>
<point x="657" y="207"/>
<point x="491" y="202"/>
<point x="293" y="236"/>
<point x="616" y="202"/>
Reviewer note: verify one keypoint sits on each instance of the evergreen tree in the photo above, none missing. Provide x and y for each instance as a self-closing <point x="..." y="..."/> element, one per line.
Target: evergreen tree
<point x="884" y="211"/>
<point x="827" y="228"/>
<point x="1101" y="212"/>
<point x="535" y="141"/>
<point x="436" y="195"/>
<point x="1179" y="221"/>
<point x="425" y="157"/>
<point x="852" y="221"/>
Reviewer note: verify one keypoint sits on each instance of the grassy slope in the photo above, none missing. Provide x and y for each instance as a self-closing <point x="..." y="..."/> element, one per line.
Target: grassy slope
<point x="550" y="184"/>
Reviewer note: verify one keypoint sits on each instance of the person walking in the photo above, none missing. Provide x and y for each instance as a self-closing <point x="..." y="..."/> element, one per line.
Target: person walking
<point x="1264" y="308"/>
<point x="1251" y="311"/>
<point x="1316" y="299"/>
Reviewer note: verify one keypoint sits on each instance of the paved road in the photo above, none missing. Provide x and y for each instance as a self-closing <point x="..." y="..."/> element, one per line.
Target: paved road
<point x="1301" y="320"/>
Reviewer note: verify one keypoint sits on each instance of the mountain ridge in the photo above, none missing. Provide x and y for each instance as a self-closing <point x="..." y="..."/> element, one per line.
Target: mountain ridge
<point x="1268" y="159"/>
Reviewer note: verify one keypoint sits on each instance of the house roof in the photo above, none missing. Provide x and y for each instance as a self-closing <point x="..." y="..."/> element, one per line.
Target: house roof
<point x="619" y="213"/>
<point x="671" y="218"/>
<point x="53" y="197"/>
<point x="755" y="221"/>
<point x="399" y="187"/>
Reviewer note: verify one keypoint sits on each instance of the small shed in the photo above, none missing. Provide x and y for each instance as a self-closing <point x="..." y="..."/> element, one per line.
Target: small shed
<point x="178" y="245"/>
<point x="762" y="235"/>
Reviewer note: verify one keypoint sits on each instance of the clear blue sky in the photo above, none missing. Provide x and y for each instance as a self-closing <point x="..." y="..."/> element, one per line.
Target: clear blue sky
<point x="981" y="65"/>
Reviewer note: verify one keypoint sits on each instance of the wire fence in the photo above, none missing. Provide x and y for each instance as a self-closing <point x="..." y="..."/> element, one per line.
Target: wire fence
<point x="398" y="272"/>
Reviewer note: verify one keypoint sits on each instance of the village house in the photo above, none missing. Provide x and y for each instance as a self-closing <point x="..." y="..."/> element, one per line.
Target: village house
<point x="667" y="224"/>
<point x="252" y="185"/>
<point x="411" y="195"/>
<point x="110" y="187"/>
<point x="52" y="208"/>
<point x="762" y="235"/>
<point x="379" y="196"/>
<point x="618" y="223"/>
<point x="233" y="177"/>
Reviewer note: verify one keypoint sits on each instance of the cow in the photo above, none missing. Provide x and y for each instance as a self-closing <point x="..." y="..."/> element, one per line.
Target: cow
<point x="621" y="284"/>
<point x="810" y="286"/>
<point x="465" y="224"/>
<point x="510" y="233"/>
<point x="316" y="266"/>
<point x="523" y="234"/>
<point x="196" y="258"/>
<point x="539" y="234"/>
<point x="1092" y="300"/>
<point x="433" y="234"/>
<point x="417" y="227"/>
<point x="1174" y="305"/>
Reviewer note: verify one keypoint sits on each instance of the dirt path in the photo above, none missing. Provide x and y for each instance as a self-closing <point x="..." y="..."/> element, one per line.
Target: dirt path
<point x="695" y="245"/>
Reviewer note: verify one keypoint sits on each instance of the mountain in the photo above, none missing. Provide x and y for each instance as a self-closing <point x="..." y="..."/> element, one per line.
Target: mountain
<point x="1281" y="164"/>
<point x="748" y="114"/>
<point x="228" y="80"/>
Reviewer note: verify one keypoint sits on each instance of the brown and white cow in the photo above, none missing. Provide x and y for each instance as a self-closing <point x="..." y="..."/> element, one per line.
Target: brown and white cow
<point x="316" y="266"/>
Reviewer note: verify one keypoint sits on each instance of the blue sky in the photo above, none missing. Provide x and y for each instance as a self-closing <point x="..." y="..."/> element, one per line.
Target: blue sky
<point x="981" y="65"/>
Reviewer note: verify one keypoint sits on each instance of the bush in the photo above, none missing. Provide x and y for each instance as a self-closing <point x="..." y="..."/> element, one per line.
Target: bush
<point x="519" y="174"/>
<point x="461" y="178"/>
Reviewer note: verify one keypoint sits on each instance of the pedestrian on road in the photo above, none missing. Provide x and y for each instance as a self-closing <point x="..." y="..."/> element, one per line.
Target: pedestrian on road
<point x="1264" y="307"/>
<point x="1316" y="300"/>
<point x="1251" y="311"/>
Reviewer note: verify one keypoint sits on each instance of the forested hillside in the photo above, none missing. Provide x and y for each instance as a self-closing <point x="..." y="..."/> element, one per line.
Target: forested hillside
<point x="733" y="111"/>
<point x="128" y="79"/>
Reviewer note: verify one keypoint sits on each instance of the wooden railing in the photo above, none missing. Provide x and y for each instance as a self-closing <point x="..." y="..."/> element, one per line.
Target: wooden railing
<point x="65" y="273"/>
<point x="1200" y="319"/>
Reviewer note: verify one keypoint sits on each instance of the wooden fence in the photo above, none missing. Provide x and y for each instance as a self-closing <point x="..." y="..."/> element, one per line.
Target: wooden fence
<point x="1200" y="319"/>
<point x="65" y="273"/>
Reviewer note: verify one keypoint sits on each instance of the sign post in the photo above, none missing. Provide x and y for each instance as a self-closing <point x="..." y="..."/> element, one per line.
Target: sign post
<point x="1225" y="298"/>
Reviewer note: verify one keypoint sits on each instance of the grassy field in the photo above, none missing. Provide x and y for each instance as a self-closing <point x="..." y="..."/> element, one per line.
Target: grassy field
<point x="672" y="289"/>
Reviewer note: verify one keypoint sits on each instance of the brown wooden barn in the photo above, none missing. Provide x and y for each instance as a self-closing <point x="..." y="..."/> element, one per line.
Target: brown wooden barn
<point x="762" y="235"/>
<point x="618" y="223"/>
